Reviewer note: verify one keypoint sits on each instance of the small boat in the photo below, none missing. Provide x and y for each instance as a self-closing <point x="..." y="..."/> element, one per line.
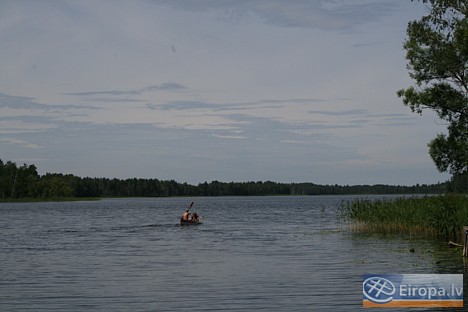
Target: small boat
<point x="188" y="218"/>
<point x="189" y="222"/>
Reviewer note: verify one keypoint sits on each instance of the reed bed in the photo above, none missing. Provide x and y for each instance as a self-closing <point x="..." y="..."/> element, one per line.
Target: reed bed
<point x="430" y="215"/>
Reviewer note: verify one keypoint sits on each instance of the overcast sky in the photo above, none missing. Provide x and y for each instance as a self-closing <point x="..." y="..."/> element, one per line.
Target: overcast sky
<point x="202" y="90"/>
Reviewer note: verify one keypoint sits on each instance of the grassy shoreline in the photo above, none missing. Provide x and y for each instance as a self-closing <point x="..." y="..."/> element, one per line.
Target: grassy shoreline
<point x="442" y="215"/>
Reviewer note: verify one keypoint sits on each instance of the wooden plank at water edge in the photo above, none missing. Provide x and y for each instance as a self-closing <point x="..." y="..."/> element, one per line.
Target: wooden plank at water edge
<point x="465" y="241"/>
<point x="415" y="304"/>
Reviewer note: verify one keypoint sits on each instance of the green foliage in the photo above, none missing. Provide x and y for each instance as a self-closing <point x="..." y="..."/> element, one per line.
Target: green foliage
<point x="437" y="54"/>
<point x="439" y="215"/>
<point x="458" y="183"/>
<point x="16" y="181"/>
<point x="55" y="186"/>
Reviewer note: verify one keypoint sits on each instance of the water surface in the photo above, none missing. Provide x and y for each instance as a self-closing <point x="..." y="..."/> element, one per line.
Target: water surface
<point x="250" y="254"/>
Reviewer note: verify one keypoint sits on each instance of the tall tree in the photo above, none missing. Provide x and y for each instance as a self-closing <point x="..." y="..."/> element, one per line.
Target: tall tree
<point x="437" y="54"/>
<point x="8" y="177"/>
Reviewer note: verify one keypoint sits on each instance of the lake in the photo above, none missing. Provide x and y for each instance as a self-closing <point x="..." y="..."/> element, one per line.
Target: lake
<point x="250" y="254"/>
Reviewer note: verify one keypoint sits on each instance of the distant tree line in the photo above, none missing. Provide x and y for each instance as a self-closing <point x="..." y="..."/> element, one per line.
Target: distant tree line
<point x="25" y="182"/>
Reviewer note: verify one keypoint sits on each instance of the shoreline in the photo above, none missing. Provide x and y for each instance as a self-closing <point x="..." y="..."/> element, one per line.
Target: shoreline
<point x="71" y="199"/>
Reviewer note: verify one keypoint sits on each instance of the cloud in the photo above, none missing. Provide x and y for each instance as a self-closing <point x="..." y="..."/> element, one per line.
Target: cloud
<point x="283" y="120"/>
<point x="366" y="117"/>
<point x="216" y="107"/>
<point x="19" y="142"/>
<point x="350" y="112"/>
<point x="274" y="129"/>
<point x="22" y="102"/>
<point x="21" y="115"/>
<point x="235" y="137"/>
<point x="25" y="124"/>
<point x="325" y="15"/>
<point x="167" y="86"/>
<point x="113" y="100"/>
<point x="182" y="105"/>
<point x="19" y="102"/>
<point x="302" y="101"/>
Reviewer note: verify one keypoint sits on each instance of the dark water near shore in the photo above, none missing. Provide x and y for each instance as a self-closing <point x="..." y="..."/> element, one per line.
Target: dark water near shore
<point x="250" y="254"/>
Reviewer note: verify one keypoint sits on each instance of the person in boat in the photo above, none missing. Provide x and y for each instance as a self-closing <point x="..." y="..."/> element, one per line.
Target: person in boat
<point x="186" y="216"/>
<point x="195" y="217"/>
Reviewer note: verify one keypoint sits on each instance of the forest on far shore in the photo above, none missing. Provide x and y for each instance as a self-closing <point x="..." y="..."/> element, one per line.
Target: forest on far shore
<point x="23" y="182"/>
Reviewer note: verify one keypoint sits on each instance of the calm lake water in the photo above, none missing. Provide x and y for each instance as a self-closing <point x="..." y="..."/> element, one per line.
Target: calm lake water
<point x="250" y="254"/>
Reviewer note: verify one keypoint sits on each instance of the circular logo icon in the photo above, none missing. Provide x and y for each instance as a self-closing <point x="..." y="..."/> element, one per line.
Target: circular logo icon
<point x="378" y="289"/>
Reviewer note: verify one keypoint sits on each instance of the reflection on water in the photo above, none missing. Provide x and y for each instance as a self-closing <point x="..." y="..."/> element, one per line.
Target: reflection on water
<point x="251" y="253"/>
